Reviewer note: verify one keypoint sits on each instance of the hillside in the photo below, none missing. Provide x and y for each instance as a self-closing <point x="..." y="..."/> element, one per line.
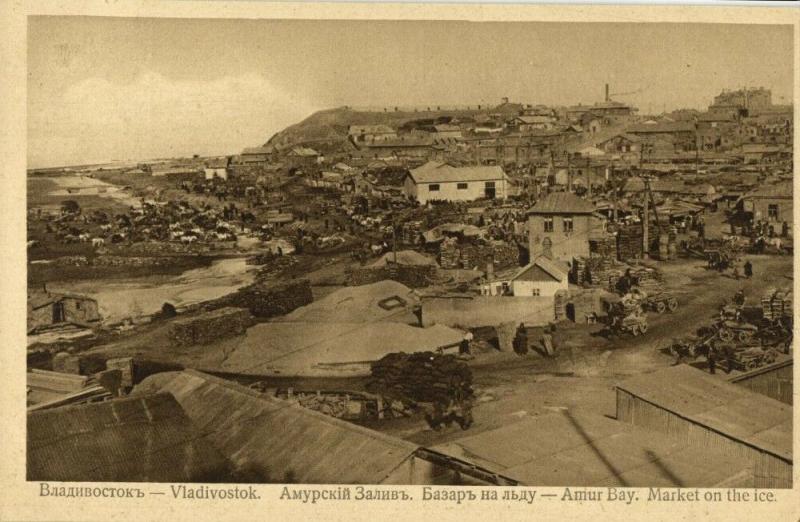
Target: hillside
<point x="329" y="127"/>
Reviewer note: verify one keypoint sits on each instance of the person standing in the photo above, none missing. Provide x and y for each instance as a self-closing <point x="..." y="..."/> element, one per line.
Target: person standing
<point x="748" y="269"/>
<point x="466" y="342"/>
<point x="712" y="361"/>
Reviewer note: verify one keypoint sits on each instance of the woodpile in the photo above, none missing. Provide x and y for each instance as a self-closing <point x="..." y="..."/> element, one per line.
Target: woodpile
<point x="603" y="247"/>
<point x="211" y="326"/>
<point x="420" y="377"/>
<point x="410" y="232"/>
<point x="595" y="271"/>
<point x="560" y="300"/>
<point x="413" y="276"/>
<point x="776" y="304"/>
<point x="449" y="254"/>
<point x="471" y="255"/>
<point x="630" y="241"/>
<point x="268" y="299"/>
<point x="339" y="406"/>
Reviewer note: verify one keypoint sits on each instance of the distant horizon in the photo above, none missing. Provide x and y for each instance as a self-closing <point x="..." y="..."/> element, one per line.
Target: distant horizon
<point x="102" y="88"/>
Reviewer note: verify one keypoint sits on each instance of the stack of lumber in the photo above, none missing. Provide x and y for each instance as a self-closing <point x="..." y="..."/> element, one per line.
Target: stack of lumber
<point x="560" y="300"/>
<point x="420" y="377"/>
<point x="776" y="304"/>
<point x="410" y="232"/>
<point x="208" y="327"/>
<point x="334" y="405"/>
<point x="604" y="247"/>
<point x="629" y="242"/>
<point x="595" y="271"/>
<point x="449" y="254"/>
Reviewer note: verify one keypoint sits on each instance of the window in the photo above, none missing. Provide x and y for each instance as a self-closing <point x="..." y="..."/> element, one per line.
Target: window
<point x="772" y="212"/>
<point x="434" y="187"/>
<point x="568" y="224"/>
<point x="490" y="184"/>
<point x="536" y="292"/>
<point x="548" y="224"/>
<point x="462" y="186"/>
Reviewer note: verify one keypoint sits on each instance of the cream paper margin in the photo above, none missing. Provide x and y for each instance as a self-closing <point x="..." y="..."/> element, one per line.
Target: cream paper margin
<point x="21" y="501"/>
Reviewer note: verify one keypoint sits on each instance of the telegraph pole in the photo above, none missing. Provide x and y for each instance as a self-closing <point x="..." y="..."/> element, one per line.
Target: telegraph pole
<point x="646" y="221"/>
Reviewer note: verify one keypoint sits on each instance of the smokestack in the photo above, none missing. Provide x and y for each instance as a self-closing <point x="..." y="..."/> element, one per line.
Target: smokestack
<point x="607" y="98"/>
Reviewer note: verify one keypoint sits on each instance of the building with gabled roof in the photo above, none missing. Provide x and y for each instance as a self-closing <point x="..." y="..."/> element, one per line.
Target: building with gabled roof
<point x="698" y="408"/>
<point x="560" y="226"/>
<point x="278" y="441"/>
<point x="136" y="439"/>
<point x="440" y="181"/>
<point x="365" y="133"/>
<point x="542" y="277"/>
<point x="771" y="203"/>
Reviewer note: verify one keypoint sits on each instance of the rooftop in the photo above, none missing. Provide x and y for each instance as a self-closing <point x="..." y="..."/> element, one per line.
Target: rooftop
<point x="587" y="449"/>
<point x="439" y="172"/>
<point x="280" y="441"/>
<point x="782" y="190"/>
<point x="562" y="203"/>
<point x="662" y="127"/>
<point x="731" y="410"/>
<point x="139" y="439"/>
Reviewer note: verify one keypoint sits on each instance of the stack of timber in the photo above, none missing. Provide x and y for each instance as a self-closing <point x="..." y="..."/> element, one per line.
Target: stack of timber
<point x="776" y="304"/>
<point x="410" y="232"/>
<point x="421" y="377"/>
<point x="603" y="247"/>
<point x="208" y="327"/>
<point x="596" y="271"/>
<point x="560" y="300"/>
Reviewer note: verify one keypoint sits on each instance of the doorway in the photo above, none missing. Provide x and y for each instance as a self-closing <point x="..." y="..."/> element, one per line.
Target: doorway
<point x="58" y="312"/>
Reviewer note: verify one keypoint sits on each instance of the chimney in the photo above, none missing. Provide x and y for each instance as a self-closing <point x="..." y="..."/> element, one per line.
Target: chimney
<point x="607" y="98"/>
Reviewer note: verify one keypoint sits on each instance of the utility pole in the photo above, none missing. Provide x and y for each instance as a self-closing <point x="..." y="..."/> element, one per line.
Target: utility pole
<point x="696" y="149"/>
<point x="569" y="173"/>
<point x="613" y="192"/>
<point x="394" y="241"/>
<point x="646" y="220"/>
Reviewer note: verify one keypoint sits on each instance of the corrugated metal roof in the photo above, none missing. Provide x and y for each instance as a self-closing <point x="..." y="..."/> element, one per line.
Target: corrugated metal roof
<point x="282" y="441"/>
<point x="584" y="449"/>
<point x="562" y="203"/>
<point x="439" y="172"/>
<point x="729" y="409"/>
<point x="140" y="439"/>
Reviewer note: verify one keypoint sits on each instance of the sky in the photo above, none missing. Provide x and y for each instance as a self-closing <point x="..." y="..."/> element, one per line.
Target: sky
<point x="102" y="89"/>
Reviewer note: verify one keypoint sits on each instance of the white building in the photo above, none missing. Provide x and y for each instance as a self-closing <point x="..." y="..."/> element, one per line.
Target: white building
<point x="216" y="168"/>
<point x="439" y="181"/>
<point x="541" y="278"/>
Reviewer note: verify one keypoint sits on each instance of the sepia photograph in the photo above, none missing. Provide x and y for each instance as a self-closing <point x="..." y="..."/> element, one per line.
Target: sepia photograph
<point x="409" y="252"/>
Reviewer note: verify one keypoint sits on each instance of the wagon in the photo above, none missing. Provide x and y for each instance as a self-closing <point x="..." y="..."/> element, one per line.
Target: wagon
<point x="634" y="324"/>
<point x="753" y="357"/>
<point x="661" y="302"/>
<point x="729" y="330"/>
